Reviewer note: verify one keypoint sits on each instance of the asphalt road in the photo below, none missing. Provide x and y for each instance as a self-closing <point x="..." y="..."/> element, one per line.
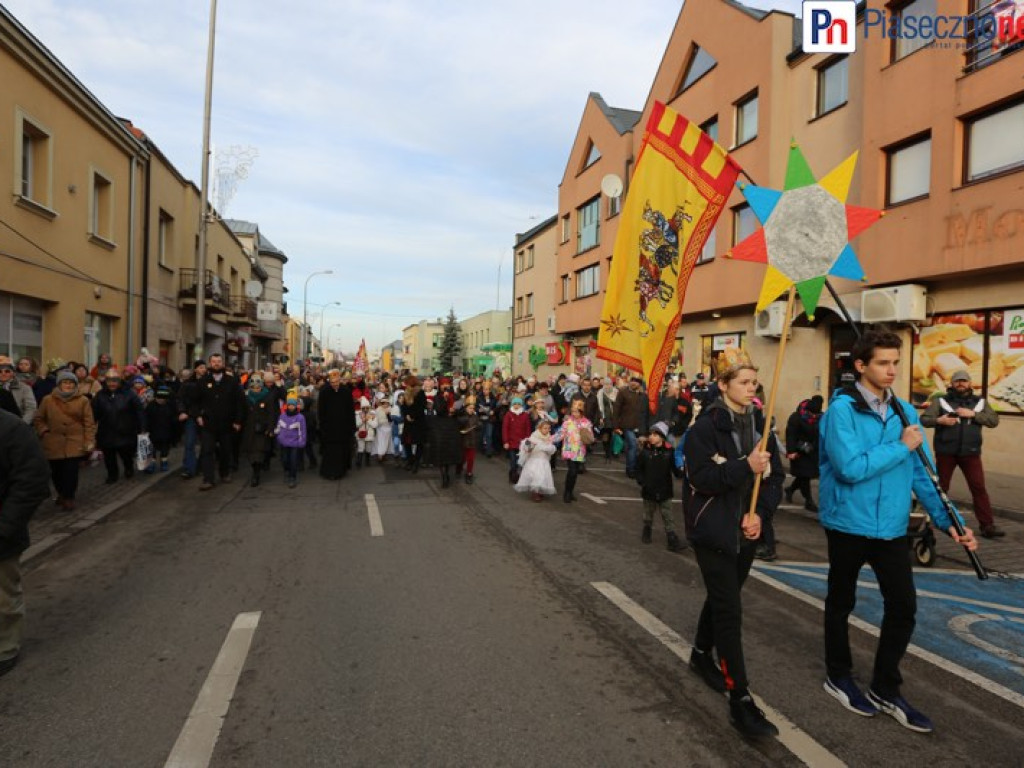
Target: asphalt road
<point x="469" y="634"/>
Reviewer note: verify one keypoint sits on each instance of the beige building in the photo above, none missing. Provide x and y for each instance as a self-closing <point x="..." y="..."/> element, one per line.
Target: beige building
<point x="421" y="345"/>
<point x="487" y="342"/>
<point x="533" y="308"/>
<point x="99" y="232"/>
<point x="71" y="230"/>
<point x="265" y="335"/>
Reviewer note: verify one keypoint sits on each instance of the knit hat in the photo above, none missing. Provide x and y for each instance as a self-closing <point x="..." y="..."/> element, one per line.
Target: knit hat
<point x="66" y="376"/>
<point x="517" y="401"/>
<point x="292" y="400"/>
<point x="815" y="403"/>
<point x="574" y="378"/>
<point x="661" y="428"/>
<point x="163" y="392"/>
<point x="138" y="380"/>
<point x="112" y="373"/>
<point x="700" y="376"/>
<point x="364" y="403"/>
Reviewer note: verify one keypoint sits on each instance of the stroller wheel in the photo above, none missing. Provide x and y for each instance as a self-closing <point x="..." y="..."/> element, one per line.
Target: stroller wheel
<point x="924" y="553"/>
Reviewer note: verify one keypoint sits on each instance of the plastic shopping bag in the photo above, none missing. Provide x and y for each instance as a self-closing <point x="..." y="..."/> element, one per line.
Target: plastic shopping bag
<point x="145" y="461"/>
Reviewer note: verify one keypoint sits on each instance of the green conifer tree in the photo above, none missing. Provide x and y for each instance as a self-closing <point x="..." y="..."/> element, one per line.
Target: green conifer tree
<point x="451" y="344"/>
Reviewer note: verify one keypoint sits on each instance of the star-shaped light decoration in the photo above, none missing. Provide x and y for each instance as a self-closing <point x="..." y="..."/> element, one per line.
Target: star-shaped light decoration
<point x="806" y="231"/>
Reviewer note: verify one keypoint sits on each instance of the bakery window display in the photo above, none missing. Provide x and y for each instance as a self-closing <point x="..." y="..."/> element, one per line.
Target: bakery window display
<point x="988" y="345"/>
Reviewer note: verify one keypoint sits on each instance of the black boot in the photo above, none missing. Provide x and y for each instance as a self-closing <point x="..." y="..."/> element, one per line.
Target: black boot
<point x="255" y="479"/>
<point x="749" y="720"/>
<point x="705" y="666"/>
<point x="810" y="506"/>
<point x="789" y="494"/>
<point x="645" y="535"/>
<point x="359" y="460"/>
<point x="567" y="495"/>
<point x="674" y="544"/>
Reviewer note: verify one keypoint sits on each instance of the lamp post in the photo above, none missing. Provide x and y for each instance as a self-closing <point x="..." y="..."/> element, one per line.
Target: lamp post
<point x="204" y="189"/>
<point x="336" y="325"/>
<point x="305" y="318"/>
<point x="323" y="312"/>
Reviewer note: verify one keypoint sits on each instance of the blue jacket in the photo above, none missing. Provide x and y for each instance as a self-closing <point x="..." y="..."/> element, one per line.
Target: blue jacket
<point x="867" y="473"/>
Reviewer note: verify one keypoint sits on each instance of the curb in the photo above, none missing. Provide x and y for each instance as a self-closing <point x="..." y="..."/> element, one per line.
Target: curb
<point x="90" y="519"/>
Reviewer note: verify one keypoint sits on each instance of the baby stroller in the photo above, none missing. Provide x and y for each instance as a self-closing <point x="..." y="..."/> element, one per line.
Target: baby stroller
<point x="921" y="536"/>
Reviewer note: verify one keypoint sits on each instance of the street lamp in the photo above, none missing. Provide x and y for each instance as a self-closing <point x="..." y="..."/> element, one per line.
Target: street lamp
<point x="323" y="312"/>
<point x="336" y="325"/>
<point x="305" y="323"/>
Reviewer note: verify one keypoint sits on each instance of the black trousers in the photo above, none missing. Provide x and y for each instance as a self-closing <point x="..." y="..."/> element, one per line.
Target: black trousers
<point x="572" y="472"/>
<point x="802" y="484"/>
<point x="216" y="453"/>
<point x="721" y="619"/>
<point x="127" y="454"/>
<point x="889" y="560"/>
<point x="64" y="473"/>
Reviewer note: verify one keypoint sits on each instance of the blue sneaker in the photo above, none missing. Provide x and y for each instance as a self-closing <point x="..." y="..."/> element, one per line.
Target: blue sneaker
<point x="846" y="692"/>
<point x="902" y="712"/>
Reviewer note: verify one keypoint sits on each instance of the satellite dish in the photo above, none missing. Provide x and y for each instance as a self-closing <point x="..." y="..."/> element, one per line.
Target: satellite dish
<point x="253" y="289"/>
<point x="611" y="185"/>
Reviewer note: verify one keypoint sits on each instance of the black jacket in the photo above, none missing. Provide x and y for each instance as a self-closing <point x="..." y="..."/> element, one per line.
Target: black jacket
<point x="162" y="421"/>
<point x="802" y="439"/>
<point x="336" y="415"/>
<point x="963" y="438"/>
<point x="119" y="418"/>
<point x="188" y="398"/>
<point x="220" y="403"/>
<point x="654" y="472"/>
<point x="720" y="481"/>
<point x="24" y="482"/>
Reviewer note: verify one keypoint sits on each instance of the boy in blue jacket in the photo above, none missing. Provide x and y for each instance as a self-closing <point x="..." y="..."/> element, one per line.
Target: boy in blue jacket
<point x="868" y="470"/>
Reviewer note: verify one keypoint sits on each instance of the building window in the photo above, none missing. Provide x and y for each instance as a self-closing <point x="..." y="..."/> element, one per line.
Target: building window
<point x="529" y="256"/>
<point x="995" y="142"/>
<point x="710" y="127"/>
<point x="701" y="62"/>
<point x="988" y="18"/>
<point x="520" y="260"/>
<point x="905" y="45"/>
<point x="529" y="305"/>
<point x="588" y="281"/>
<point x="519" y="307"/>
<point x="565" y="228"/>
<point x="436" y="341"/>
<point x="165" y="238"/>
<point x="34" y="167"/>
<point x="707" y="253"/>
<point x="99" y="337"/>
<point x="910" y="171"/>
<point x="21" y="327"/>
<point x="833" y="84"/>
<point x="593" y="155"/>
<point x="566" y="284"/>
<point x="746" y="119"/>
<point x="717" y="351"/>
<point x="101" y="208"/>
<point x="744" y="223"/>
<point x="588" y="221"/>
<point x="614" y="205"/>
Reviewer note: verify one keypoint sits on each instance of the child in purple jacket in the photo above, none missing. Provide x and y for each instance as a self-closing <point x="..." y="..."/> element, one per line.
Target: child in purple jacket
<point x="291" y="436"/>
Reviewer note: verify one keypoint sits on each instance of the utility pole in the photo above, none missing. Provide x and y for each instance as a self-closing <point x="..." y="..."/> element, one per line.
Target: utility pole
<point x="203" y="192"/>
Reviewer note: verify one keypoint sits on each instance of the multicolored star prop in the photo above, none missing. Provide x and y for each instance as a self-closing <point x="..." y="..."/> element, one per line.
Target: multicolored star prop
<point x="806" y="231"/>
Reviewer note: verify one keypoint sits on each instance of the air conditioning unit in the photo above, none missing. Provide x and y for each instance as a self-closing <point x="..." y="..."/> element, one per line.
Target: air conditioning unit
<point x="551" y="322"/>
<point x="770" y="320"/>
<point x="894" y="304"/>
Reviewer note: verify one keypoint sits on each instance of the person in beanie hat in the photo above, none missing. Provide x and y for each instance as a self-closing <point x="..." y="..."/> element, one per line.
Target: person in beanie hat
<point x="802" y="449"/>
<point x="260" y="421"/>
<point x="120" y="418"/>
<point x="655" y="468"/>
<point x="291" y="437"/>
<point x="515" y="428"/>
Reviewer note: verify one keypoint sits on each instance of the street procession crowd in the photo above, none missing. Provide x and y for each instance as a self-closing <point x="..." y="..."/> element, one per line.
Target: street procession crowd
<point x="708" y="436"/>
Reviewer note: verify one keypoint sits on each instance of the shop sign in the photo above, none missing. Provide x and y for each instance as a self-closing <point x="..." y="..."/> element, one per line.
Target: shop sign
<point x="1013" y="328"/>
<point x="724" y="341"/>
<point x="558" y="352"/>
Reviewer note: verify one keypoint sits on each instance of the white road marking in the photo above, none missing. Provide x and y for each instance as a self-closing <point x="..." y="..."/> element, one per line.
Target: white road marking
<point x="198" y="737"/>
<point x="945" y="664"/>
<point x="605" y="499"/>
<point x="961" y="626"/>
<point x="376" y="526"/>
<point x="595" y="499"/>
<point x="805" y="748"/>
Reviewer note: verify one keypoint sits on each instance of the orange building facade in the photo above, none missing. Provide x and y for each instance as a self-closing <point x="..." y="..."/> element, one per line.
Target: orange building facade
<point x="940" y="136"/>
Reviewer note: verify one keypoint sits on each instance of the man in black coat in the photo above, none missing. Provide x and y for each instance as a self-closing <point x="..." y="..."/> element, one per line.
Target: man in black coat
<point x="220" y="414"/>
<point x="24" y="484"/>
<point x="336" y="415"/>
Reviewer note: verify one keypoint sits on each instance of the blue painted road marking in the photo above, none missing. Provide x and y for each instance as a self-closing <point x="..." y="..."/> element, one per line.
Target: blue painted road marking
<point x="977" y="625"/>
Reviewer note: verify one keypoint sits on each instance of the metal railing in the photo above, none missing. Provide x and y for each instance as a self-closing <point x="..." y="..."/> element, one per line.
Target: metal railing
<point x="218" y="290"/>
<point x="243" y="309"/>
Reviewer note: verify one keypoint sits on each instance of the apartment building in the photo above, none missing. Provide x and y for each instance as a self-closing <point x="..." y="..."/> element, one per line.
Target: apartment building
<point x="533" y="290"/>
<point x="940" y="135"/>
<point x="487" y="342"/>
<point x="587" y="224"/>
<point x="421" y="346"/>
<point x="70" y="231"/>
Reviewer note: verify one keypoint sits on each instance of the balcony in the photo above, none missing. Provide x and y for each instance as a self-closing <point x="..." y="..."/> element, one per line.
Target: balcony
<point x="243" y="311"/>
<point x="218" y="291"/>
<point x="269" y="329"/>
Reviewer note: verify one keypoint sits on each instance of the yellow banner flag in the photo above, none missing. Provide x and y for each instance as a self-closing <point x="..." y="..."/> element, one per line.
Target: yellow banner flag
<point x="681" y="184"/>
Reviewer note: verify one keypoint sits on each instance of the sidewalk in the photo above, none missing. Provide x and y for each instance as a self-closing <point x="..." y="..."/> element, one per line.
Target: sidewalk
<point x="95" y="501"/>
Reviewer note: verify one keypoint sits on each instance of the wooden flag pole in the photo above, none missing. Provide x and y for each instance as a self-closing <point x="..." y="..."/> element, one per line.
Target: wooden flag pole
<point x="770" y="409"/>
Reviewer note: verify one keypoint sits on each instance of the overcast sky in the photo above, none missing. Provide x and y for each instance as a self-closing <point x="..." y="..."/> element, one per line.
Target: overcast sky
<point x="401" y="143"/>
